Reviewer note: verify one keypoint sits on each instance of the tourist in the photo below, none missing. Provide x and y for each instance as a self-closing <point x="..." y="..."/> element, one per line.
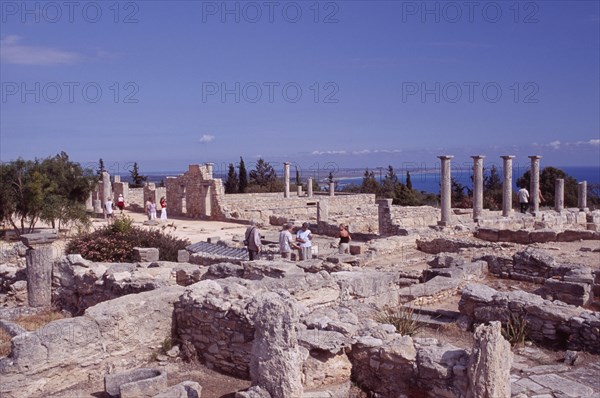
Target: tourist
<point x="108" y="209"/>
<point x="252" y="241"/>
<point x="304" y="238"/>
<point x="286" y="241"/>
<point x="163" y="208"/>
<point x="121" y="202"/>
<point x="523" y="195"/>
<point x="151" y="208"/>
<point x="345" y="238"/>
<point x="148" y="206"/>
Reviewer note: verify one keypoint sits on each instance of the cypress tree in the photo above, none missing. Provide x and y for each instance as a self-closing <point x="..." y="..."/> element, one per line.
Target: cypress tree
<point x="243" y="175"/>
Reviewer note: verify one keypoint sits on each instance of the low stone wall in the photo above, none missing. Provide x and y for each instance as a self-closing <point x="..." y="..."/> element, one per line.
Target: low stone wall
<point x="525" y="237"/>
<point x="78" y="283"/>
<point x="119" y="334"/>
<point x="553" y="324"/>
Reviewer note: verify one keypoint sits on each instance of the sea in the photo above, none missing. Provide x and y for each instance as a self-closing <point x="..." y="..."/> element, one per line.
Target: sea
<point x="422" y="180"/>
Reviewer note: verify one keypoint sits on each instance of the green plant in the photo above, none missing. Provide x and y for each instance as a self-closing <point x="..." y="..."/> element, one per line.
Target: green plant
<point x="108" y="245"/>
<point x="403" y="319"/>
<point x="515" y="330"/>
<point x="122" y="224"/>
<point x="167" y="344"/>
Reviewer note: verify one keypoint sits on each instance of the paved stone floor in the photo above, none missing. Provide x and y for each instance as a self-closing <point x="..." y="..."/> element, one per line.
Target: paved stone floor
<point x="555" y="381"/>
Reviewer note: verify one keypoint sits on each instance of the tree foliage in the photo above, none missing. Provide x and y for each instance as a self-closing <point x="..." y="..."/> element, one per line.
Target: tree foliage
<point x="369" y="183"/>
<point x="243" y="176"/>
<point x="264" y="176"/>
<point x="53" y="190"/>
<point x="232" y="182"/>
<point x="492" y="190"/>
<point x="137" y="180"/>
<point x="408" y="181"/>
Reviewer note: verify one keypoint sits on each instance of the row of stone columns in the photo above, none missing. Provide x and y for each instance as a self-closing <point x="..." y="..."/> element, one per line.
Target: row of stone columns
<point x="445" y="191"/>
<point x="309" y="190"/>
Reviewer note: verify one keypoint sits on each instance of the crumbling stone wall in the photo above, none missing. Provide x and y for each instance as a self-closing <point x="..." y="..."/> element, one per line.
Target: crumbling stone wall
<point x="195" y="194"/>
<point x="553" y="324"/>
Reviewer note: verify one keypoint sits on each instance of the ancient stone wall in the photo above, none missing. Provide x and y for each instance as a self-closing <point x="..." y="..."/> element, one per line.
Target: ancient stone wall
<point x="553" y="324"/>
<point x="195" y="194"/>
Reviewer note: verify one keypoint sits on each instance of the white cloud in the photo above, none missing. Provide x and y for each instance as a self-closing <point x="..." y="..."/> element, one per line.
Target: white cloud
<point x="554" y="144"/>
<point x="328" y="152"/>
<point x="594" y="142"/>
<point x="206" y="138"/>
<point x="12" y="52"/>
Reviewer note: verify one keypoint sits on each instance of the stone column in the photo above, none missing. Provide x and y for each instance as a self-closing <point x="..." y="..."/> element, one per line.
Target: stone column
<point x="507" y="185"/>
<point x="98" y="206"/>
<point x="309" y="187"/>
<point x="39" y="261"/>
<point x="332" y="189"/>
<point x="477" y="186"/>
<point x="117" y="178"/>
<point x="384" y="216"/>
<point x="322" y="211"/>
<point x="582" y="195"/>
<point x="299" y="189"/>
<point x="445" y="191"/>
<point x="534" y="186"/>
<point x="559" y="194"/>
<point x="286" y="179"/>
<point x="276" y="360"/>
<point x="106" y="187"/>
<point x="209" y="170"/>
<point x="489" y="364"/>
<point x="89" y="203"/>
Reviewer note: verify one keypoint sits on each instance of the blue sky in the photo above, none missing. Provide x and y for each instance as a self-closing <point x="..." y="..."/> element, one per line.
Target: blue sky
<point x="350" y="83"/>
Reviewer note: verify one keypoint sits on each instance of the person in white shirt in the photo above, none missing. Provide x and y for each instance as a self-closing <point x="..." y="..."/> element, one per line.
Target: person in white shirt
<point x="286" y="241"/>
<point x="304" y="238"/>
<point x="108" y="209"/>
<point x="523" y="195"/>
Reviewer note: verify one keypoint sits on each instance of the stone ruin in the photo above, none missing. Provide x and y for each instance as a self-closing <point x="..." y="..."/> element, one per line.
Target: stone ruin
<point x="313" y="328"/>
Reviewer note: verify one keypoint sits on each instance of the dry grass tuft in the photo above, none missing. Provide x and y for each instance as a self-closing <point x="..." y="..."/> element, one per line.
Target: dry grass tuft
<point x="36" y="321"/>
<point x="4" y="343"/>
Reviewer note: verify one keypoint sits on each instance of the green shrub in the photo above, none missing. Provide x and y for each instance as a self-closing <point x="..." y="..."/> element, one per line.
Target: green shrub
<point x="115" y="244"/>
<point x="122" y="224"/>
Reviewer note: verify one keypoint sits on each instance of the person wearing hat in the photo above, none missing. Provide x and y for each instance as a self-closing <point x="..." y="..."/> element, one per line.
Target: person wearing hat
<point x="121" y="202"/>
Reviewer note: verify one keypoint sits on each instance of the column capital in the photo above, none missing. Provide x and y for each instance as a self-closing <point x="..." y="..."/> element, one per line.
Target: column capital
<point x="534" y="157"/>
<point x="286" y="163"/>
<point x="446" y="157"/>
<point x="507" y="157"/>
<point x="476" y="157"/>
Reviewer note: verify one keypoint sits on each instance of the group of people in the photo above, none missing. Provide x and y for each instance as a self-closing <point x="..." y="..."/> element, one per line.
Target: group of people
<point x="287" y="243"/>
<point x="151" y="208"/>
<point x="523" y="195"/>
<point x="109" y="207"/>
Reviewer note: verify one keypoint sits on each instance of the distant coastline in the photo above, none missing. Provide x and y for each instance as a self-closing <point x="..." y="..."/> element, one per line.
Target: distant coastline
<point x="422" y="180"/>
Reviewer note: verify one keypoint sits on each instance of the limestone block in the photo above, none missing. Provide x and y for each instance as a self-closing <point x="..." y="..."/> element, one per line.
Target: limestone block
<point x="542" y="236"/>
<point x="574" y="235"/>
<point x="213" y="239"/>
<point x="446" y="260"/>
<point x="490" y="363"/>
<point x="38" y="238"/>
<point x="356" y="249"/>
<point x="143" y="254"/>
<point x="183" y="256"/>
<point x="185" y="389"/>
<point x="489" y="234"/>
<point x="136" y="383"/>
